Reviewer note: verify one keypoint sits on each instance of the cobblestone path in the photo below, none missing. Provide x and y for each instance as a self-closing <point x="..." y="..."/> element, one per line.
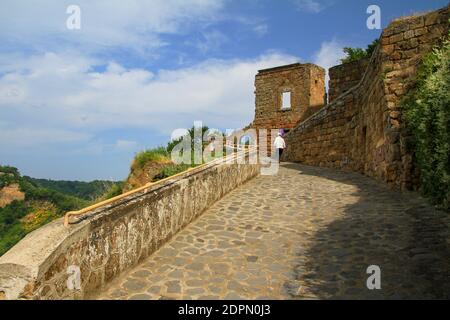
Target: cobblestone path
<point x="304" y="233"/>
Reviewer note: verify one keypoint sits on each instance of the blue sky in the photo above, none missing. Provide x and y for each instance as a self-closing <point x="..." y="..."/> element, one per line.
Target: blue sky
<point x="78" y="104"/>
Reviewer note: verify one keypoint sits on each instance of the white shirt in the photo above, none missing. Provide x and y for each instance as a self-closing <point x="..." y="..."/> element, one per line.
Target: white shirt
<point x="279" y="143"/>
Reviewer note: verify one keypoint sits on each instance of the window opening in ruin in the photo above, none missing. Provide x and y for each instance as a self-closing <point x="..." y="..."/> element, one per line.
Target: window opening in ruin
<point x="364" y="139"/>
<point x="247" y="140"/>
<point x="286" y="100"/>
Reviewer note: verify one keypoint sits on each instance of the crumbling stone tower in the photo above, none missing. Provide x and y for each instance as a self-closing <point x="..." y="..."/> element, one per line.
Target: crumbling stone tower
<point x="288" y="94"/>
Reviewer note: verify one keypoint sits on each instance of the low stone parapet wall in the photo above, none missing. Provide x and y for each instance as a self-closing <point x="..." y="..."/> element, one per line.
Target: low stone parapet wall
<point x="56" y="262"/>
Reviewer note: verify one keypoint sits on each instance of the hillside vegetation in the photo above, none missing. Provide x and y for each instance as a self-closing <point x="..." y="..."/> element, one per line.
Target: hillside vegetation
<point x="152" y="169"/>
<point x="355" y="54"/>
<point x="38" y="202"/>
<point x="155" y="164"/>
<point x="84" y="190"/>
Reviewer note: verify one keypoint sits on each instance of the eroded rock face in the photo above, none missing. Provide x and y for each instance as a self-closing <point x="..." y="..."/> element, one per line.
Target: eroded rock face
<point x="10" y="193"/>
<point x="140" y="176"/>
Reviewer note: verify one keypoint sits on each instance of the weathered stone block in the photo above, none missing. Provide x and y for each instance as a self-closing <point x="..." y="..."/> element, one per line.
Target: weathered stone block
<point x="408" y="34"/>
<point x="416" y="22"/>
<point x="420" y="31"/>
<point x="396" y="38"/>
<point x="432" y="18"/>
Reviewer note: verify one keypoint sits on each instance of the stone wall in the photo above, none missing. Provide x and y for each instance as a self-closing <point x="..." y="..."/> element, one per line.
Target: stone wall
<point x="115" y="237"/>
<point x="307" y="87"/>
<point x="344" y="77"/>
<point x="306" y="82"/>
<point x="363" y="129"/>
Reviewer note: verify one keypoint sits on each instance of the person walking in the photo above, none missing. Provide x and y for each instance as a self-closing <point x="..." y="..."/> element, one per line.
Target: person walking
<point x="279" y="144"/>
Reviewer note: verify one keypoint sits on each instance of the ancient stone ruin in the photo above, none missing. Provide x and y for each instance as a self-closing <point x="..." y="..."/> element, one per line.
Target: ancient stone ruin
<point x="361" y="128"/>
<point x="304" y="86"/>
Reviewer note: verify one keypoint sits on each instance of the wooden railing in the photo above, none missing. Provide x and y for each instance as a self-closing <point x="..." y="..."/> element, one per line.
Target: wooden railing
<point x="237" y="150"/>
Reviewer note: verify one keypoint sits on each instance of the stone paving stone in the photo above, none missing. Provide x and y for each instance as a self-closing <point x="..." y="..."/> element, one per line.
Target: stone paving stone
<point x="173" y="287"/>
<point x="195" y="291"/>
<point x="118" y="293"/>
<point x="140" y="297"/>
<point x="142" y="274"/>
<point x="305" y="233"/>
<point x="133" y="285"/>
<point x="154" y="289"/>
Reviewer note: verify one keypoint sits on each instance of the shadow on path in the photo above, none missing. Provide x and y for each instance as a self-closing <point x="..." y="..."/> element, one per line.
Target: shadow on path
<point x="399" y="232"/>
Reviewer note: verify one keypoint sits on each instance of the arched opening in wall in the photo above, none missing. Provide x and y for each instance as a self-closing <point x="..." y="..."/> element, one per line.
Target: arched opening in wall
<point x="240" y="140"/>
<point x="247" y="140"/>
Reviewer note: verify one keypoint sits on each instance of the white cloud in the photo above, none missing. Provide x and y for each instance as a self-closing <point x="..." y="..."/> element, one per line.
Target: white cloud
<point x="64" y="93"/>
<point x="210" y="41"/>
<point x="104" y="24"/>
<point x="261" y="29"/>
<point x="310" y="6"/>
<point x="329" y="55"/>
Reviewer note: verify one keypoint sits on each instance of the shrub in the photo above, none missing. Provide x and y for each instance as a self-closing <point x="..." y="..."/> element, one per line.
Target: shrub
<point x="114" y="191"/>
<point x="427" y="114"/>
<point x="11" y="230"/>
<point x="62" y="202"/>
<point x="90" y="191"/>
<point x="171" y="170"/>
<point x="9" y="169"/>
<point x="355" y="54"/>
<point x="158" y="154"/>
<point x="41" y="213"/>
<point x="9" y="175"/>
<point x="11" y="213"/>
<point x="11" y="236"/>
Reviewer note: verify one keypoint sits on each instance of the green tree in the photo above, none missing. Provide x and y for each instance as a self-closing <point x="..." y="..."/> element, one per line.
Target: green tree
<point x="85" y="190"/>
<point x="191" y="134"/>
<point x="355" y="54"/>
